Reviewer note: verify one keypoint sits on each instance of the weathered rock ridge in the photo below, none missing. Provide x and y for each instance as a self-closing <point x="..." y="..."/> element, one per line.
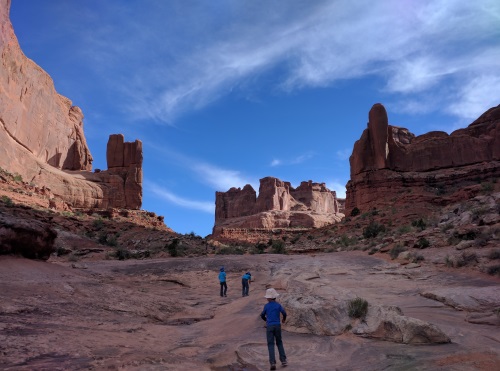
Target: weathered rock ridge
<point x="388" y="161"/>
<point x="279" y="205"/>
<point x="42" y="138"/>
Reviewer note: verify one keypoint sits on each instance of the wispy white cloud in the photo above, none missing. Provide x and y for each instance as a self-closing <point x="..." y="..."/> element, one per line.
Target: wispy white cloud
<point x="275" y="162"/>
<point x="414" y="46"/>
<point x="293" y="161"/>
<point x="163" y="193"/>
<point x="220" y="179"/>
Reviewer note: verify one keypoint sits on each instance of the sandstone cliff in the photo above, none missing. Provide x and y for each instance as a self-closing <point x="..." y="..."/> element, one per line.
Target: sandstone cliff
<point x="389" y="164"/>
<point x="240" y="212"/>
<point x="42" y="138"/>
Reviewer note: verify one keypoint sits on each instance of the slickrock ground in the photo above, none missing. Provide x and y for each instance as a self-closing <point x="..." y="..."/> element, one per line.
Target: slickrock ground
<point x="166" y="314"/>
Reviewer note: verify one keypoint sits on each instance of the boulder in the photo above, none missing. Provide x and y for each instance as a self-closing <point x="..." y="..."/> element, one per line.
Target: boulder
<point x="26" y="237"/>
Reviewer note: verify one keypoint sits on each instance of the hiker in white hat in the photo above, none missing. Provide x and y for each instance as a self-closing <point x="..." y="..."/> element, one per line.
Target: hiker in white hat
<point x="271" y="314"/>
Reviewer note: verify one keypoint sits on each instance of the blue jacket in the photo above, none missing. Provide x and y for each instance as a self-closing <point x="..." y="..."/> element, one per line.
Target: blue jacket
<point x="246" y="277"/>
<point x="271" y="313"/>
<point x="222" y="276"/>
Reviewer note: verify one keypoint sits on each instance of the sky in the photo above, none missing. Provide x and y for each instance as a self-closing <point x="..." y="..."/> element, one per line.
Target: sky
<point x="224" y="93"/>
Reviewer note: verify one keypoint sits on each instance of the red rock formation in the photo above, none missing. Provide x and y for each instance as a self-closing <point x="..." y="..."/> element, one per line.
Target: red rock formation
<point x="425" y="164"/>
<point x="42" y="138"/>
<point x="238" y="212"/>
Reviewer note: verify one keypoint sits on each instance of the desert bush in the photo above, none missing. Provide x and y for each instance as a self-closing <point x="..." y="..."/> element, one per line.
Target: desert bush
<point x="448" y="261"/>
<point x="396" y="250"/>
<point x="17" y="178"/>
<point x="494" y="254"/>
<point x="404" y="229"/>
<point x="98" y="223"/>
<point x="172" y="247"/>
<point x="278" y="247"/>
<point x="355" y="211"/>
<point x="7" y="201"/>
<point x="372" y="251"/>
<point x="494" y="270"/>
<point x="415" y="258"/>
<point x="260" y="247"/>
<point x="467" y="258"/>
<point x="373" y="230"/>
<point x="423" y="243"/>
<point x="231" y="250"/>
<point x="358" y="308"/>
<point x="122" y="254"/>
<point x="487" y="187"/>
<point x="345" y="240"/>
<point x="419" y="224"/>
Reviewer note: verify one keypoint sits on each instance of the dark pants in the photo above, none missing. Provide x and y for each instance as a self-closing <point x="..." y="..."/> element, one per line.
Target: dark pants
<point x="273" y="332"/>
<point x="223" y="288"/>
<point x="246" y="287"/>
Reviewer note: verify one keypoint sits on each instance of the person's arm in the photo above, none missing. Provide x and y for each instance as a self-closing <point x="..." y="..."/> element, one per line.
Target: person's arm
<point x="283" y="312"/>
<point x="263" y="315"/>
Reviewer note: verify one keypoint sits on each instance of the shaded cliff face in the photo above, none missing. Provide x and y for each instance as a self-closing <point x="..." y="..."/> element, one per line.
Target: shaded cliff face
<point x="42" y="138"/>
<point x="388" y="162"/>
<point x="279" y="205"/>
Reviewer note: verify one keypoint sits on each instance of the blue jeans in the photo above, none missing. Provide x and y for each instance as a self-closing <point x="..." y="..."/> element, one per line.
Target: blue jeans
<point x="223" y="288"/>
<point x="246" y="287"/>
<point x="273" y="332"/>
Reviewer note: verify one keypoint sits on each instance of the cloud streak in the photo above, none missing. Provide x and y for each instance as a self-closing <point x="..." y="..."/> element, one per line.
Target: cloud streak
<point x="162" y="193"/>
<point x="414" y="46"/>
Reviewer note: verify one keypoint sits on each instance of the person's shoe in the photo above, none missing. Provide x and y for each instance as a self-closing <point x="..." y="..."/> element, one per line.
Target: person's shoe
<point x="273" y="367"/>
<point x="284" y="363"/>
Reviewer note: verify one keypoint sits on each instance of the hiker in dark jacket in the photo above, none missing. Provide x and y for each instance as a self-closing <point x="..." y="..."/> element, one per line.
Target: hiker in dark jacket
<point x="222" y="280"/>
<point x="271" y="314"/>
<point x="245" y="283"/>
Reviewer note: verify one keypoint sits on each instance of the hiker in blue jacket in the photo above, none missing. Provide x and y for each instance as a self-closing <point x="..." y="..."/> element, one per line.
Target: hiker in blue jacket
<point x="271" y="314"/>
<point x="245" y="283"/>
<point x="222" y="280"/>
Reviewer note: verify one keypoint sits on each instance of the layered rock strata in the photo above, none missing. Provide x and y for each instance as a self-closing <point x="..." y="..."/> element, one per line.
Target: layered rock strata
<point x="42" y="138"/>
<point x="239" y="212"/>
<point x="390" y="163"/>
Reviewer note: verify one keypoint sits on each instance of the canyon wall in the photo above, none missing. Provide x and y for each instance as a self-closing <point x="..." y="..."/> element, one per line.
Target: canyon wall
<point x="42" y="138"/>
<point x="389" y="164"/>
<point x="238" y="212"/>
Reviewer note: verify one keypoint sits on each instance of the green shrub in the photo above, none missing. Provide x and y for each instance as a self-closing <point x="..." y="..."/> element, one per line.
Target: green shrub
<point x="494" y="270"/>
<point x="487" y="187"/>
<point x="358" y="308"/>
<point x="404" y="229"/>
<point x="419" y="224"/>
<point x="122" y="254"/>
<point x="231" y="250"/>
<point x="98" y="224"/>
<point x="396" y="250"/>
<point x="423" y="243"/>
<point x="355" y="211"/>
<point x="372" y="251"/>
<point x="172" y="247"/>
<point x="17" y="178"/>
<point x="494" y="254"/>
<point x="7" y="201"/>
<point x="373" y="230"/>
<point x="278" y="247"/>
<point x="260" y="247"/>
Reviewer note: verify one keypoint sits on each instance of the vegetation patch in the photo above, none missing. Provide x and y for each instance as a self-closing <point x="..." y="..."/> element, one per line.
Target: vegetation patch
<point x="373" y="230"/>
<point x="494" y="270"/>
<point x="423" y="243"/>
<point x="358" y="308"/>
<point x="396" y="250"/>
<point x="7" y="201"/>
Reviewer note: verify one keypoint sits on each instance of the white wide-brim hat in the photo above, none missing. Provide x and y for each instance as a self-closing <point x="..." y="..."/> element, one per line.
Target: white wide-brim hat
<point x="271" y="294"/>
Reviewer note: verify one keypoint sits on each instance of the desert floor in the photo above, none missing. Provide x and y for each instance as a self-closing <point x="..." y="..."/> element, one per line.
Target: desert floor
<point x="167" y="315"/>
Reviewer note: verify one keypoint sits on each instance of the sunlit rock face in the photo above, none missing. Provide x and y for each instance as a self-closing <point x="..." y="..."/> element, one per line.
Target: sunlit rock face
<point x="42" y="137"/>
<point x="279" y="205"/>
<point x="389" y="160"/>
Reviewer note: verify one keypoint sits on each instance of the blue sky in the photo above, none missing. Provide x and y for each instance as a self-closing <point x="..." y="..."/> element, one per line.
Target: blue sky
<point x="223" y="93"/>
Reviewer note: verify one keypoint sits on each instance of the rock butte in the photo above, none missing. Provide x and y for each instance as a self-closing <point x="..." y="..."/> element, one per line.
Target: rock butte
<point x="42" y="139"/>
<point x="388" y="161"/>
<point x="241" y="215"/>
